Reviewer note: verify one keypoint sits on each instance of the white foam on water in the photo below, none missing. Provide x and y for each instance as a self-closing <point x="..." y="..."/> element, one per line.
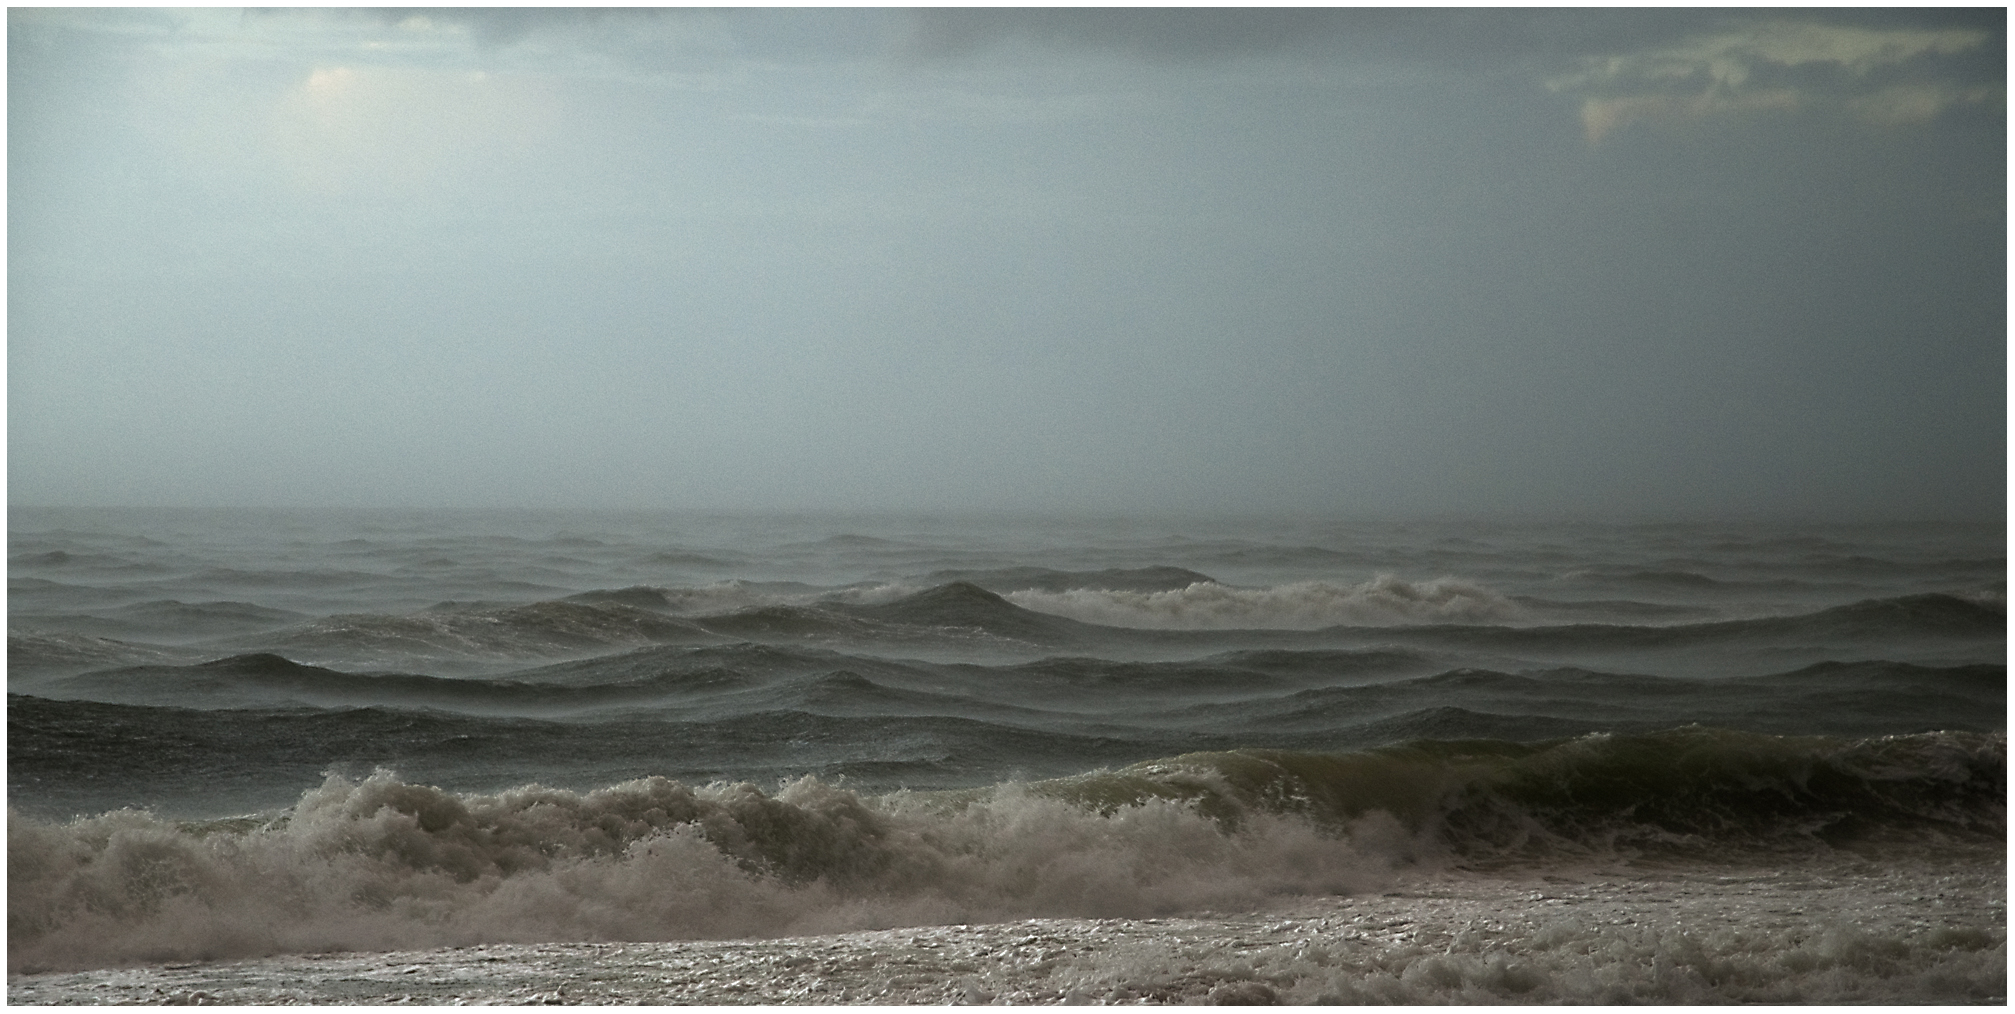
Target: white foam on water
<point x="726" y="597"/>
<point x="1834" y="931"/>
<point x="1303" y="605"/>
<point x="382" y="864"/>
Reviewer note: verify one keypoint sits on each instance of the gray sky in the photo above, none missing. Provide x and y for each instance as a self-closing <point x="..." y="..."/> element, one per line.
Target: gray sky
<point x="1346" y="262"/>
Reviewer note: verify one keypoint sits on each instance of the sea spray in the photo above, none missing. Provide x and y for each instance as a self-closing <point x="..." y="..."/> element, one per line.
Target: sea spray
<point x="1303" y="605"/>
<point x="381" y="863"/>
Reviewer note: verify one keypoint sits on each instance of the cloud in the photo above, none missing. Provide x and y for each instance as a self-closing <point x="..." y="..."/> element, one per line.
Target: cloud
<point x="1916" y="103"/>
<point x="1568" y="40"/>
<point x="1886" y="74"/>
<point x="1888" y="68"/>
<point x="1193" y="33"/>
<point x="345" y="127"/>
<point x="1600" y="117"/>
<point x="492" y="27"/>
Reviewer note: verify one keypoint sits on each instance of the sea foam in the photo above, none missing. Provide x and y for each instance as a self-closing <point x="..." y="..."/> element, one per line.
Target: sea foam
<point x="1303" y="605"/>
<point x="382" y="864"/>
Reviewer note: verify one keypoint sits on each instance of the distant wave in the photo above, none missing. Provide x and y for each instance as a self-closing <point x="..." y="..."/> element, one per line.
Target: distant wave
<point x="1464" y="612"/>
<point x="888" y="613"/>
<point x="42" y="653"/>
<point x="540" y="629"/>
<point x="963" y="604"/>
<point x="271" y="681"/>
<point x="1306" y="605"/>
<point x="171" y="620"/>
<point x="1153" y="597"/>
<point x="751" y="658"/>
<point x="1351" y="696"/>
<point x="726" y="597"/>
<point x="1932" y="617"/>
<point x="63" y="559"/>
<point x="1863" y="698"/>
<point x="1010" y="579"/>
<point x="690" y="559"/>
<point x="1686" y="580"/>
<point x="1994" y="596"/>
<point x="382" y="863"/>
<point x="1609" y="611"/>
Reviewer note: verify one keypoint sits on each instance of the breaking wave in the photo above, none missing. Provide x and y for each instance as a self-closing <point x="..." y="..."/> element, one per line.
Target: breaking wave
<point x="383" y="864"/>
<point x="1305" y="605"/>
<point x="380" y="863"/>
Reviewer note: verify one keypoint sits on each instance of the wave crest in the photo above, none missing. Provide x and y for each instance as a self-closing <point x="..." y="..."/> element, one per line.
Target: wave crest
<point x="1384" y="600"/>
<point x="384" y="864"/>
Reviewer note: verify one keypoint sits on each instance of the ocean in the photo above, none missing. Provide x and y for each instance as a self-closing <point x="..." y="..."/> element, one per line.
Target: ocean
<point x="495" y="756"/>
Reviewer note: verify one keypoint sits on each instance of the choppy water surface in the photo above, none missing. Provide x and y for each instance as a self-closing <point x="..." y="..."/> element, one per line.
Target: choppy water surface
<point x="412" y="729"/>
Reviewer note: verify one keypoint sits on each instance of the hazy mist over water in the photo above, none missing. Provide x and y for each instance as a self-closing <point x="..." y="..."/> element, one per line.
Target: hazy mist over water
<point x="1332" y="263"/>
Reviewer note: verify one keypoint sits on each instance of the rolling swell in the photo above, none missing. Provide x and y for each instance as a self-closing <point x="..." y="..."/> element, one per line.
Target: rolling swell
<point x="964" y="604"/>
<point x="1923" y="619"/>
<point x="1862" y="698"/>
<point x="1322" y="699"/>
<point x="1673" y="789"/>
<point x="541" y="629"/>
<point x="1937" y="618"/>
<point x="266" y="680"/>
<point x="84" y="756"/>
<point x="40" y="653"/>
<point x="752" y="711"/>
<point x="753" y="663"/>
<point x="965" y="617"/>
<point x="1325" y="663"/>
<point x="1304" y="605"/>
<point x="801" y="623"/>
<point x="1012" y="579"/>
<point x="173" y="621"/>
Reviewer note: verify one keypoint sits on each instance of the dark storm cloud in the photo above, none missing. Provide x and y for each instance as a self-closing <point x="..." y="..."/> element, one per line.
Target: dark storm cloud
<point x="1533" y="43"/>
<point x="1492" y="36"/>
<point x="1624" y="65"/>
<point x="501" y="26"/>
<point x="1183" y="34"/>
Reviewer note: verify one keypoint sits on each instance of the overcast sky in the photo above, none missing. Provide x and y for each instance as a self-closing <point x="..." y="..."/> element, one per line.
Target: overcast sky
<point x="1665" y="263"/>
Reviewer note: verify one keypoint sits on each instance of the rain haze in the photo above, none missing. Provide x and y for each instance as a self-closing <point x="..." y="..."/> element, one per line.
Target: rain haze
<point x="1589" y="263"/>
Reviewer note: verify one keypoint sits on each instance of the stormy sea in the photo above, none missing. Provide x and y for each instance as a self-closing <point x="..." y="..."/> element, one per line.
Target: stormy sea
<point x="513" y="757"/>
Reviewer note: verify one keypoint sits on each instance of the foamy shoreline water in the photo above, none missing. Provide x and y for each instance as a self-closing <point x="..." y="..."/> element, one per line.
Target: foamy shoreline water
<point x="1839" y="929"/>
